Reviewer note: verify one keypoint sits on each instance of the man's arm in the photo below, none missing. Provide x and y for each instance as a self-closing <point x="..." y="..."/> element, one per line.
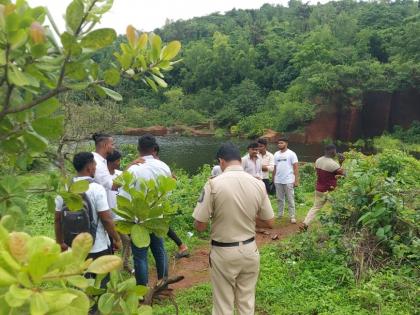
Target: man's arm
<point x="200" y="226"/>
<point x="296" y="172"/>
<point x="59" y="231"/>
<point x="264" y="223"/>
<point x="274" y="172"/>
<point x="108" y="223"/>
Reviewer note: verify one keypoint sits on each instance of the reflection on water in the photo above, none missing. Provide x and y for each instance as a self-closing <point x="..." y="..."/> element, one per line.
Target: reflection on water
<point x="190" y="153"/>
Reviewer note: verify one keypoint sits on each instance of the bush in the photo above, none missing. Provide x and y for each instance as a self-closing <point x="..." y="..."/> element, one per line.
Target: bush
<point x="376" y="203"/>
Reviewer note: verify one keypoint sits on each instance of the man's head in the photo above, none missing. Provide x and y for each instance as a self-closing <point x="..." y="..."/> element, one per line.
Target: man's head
<point x="104" y="143"/>
<point x="147" y="145"/>
<point x="84" y="164"/>
<point x="228" y="154"/>
<point x="262" y="145"/>
<point x="253" y="149"/>
<point x="282" y="143"/>
<point x="114" y="160"/>
<point x="330" y="150"/>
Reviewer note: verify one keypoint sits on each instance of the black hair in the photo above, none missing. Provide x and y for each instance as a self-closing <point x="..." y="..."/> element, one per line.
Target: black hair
<point x="262" y="141"/>
<point x="99" y="137"/>
<point x="114" y="156"/>
<point x="284" y="139"/>
<point x="147" y="143"/>
<point x="330" y="147"/>
<point x="228" y="152"/>
<point x="253" y="145"/>
<point x="82" y="159"/>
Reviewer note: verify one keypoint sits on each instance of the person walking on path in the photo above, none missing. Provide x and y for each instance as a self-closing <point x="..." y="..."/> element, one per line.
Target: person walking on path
<point x="267" y="159"/>
<point x="286" y="178"/>
<point x="327" y="171"/>
<point x="235" y="202"/>
<point x="251" y="162"/>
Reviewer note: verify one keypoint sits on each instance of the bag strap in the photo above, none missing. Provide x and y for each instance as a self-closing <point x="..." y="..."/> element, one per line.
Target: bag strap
<point x="89" y="205"/>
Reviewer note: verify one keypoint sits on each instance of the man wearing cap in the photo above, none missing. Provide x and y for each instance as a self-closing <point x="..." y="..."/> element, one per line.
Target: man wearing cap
<point x="327" y="171"/>
<point x="235" y="202"/>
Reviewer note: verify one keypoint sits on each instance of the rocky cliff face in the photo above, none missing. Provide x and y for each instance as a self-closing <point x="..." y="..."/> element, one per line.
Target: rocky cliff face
<point x="380" y="112"/>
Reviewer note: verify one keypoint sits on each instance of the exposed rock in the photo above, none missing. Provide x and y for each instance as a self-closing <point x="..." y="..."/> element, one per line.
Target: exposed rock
<point x="271" y="135"/>
<point x="154" y="130"/>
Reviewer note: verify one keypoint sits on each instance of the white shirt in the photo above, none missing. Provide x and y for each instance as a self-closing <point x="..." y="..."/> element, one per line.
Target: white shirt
<point x="112" y="196"/>
<point x="284" y="167"/>
<point x="97" y="196"/>
<point x="252" y="167"/>
<point x="267" y="160"/>
<point x="216" y="171"/>
<point x="151" y="169"/>
<point x="102" y="175"/>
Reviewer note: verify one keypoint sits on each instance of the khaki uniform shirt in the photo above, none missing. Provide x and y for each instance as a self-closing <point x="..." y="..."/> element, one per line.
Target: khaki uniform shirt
<point x="232" y="201"/>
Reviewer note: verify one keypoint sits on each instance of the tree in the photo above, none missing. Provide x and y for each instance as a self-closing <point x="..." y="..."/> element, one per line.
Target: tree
<point x="35" y="277"/>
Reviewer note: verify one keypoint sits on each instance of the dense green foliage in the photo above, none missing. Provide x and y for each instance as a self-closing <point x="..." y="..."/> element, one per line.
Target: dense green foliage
<point x="274" y="67"/>
<point x="361" y="260"/>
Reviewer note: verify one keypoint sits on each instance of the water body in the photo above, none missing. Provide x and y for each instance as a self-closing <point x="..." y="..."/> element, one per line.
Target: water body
<point x="190" y="153"/>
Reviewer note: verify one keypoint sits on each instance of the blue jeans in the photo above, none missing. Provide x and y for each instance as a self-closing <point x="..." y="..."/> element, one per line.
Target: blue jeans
<point x="140" y="260"/>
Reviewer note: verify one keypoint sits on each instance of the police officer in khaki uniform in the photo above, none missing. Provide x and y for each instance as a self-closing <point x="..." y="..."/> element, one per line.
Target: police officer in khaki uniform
<point x="235" y="202"/>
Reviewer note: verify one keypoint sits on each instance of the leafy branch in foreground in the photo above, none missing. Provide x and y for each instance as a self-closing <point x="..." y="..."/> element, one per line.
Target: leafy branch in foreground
<point x="37" y="278"/>
<point x="143" y="207"/>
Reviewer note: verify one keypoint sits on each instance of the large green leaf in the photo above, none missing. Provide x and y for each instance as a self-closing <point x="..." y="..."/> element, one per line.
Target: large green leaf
<point x="105" y="264"/>
<point x="43" y="252"/>
<point x="79" y="187"/>
<point x="99" y="38"/>
<point x="59" y="299"/>
<point x="124" y="227"/>
<point x="106" y="303"/>
<point x="171" y="50"/>
<point x="18" y="39"/>
<point x="145" y="310"/>
<point x="74" y="15"/>
<point x="73" y="201"/>
<point x="112" y="76"/>
<point x="78" y="281"/>
<point x="112" y="94"/>
<point x="79" y="305"/>
<point x="35" y="142"/>
<point x="47" y="107"/>
<point x="50" y="127"/>
<point x="38" y="304"/>
<point x="140" y="236"/>
<point x="81" y="246"/>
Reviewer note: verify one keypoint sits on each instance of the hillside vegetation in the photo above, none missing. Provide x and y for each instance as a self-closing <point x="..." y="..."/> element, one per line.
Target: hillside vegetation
<point x="274" y="67"/>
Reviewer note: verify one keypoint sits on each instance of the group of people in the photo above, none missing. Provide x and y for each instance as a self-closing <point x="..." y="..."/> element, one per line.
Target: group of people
<point x="100" y="168"/>
<point x="235" y="200"/>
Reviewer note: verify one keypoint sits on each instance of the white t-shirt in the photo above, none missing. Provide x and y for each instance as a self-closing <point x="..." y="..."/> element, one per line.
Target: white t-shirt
<point x="97" y="196"/>
<point x="112" y="196"/>
<point x="151" y="169"/>
<point x="102" y="175"/>
<point x="284" y="167"/>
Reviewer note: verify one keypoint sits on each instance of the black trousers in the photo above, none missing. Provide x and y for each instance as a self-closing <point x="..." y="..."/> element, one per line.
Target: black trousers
<point x="90" y="275"/>
<point x="172" y="235"/>
<point x="267" y="184"/>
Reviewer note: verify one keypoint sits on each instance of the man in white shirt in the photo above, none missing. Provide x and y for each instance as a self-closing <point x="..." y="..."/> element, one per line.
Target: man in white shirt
<point x="85" y="166"/>
<point x="104" y="145"/>
<point x="267" y="159"/>
<point x="251" y="162"/>
<point x="151" y="168"/>
<point x="114" y="161"/>
<point x="286" y="177"/>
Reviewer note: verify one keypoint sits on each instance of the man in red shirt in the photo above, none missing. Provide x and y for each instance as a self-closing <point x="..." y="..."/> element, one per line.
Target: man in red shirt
<point x="327" y="171"/>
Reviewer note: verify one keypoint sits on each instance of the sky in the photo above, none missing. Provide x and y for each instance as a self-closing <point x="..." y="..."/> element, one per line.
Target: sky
<point x="148" y="15"/>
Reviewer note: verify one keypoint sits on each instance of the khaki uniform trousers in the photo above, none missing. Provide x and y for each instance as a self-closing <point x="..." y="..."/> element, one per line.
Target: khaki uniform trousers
<point x="234" y="274"/>
<point x="320" y="200"/>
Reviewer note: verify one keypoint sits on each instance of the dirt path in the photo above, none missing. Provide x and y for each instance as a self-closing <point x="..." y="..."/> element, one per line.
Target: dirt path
<point x="195" y="268"/>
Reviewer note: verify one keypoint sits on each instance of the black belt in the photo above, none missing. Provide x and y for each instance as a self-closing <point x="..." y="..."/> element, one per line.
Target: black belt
<point x="233" y="244"/>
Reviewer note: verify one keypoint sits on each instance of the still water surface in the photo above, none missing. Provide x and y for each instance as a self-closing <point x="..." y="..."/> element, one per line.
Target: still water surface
<point x="190" y="153"/>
